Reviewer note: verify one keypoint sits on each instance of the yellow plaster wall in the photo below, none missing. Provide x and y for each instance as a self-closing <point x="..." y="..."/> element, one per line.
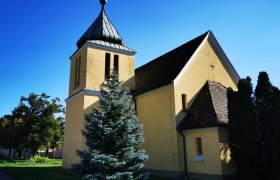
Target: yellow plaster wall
<point x="198" y="72"/>
<point x="210" y="148"/>
<point x="192" y="80"/>
<point x="92" y="70"/>
<point x="92" y="76"/>
<point x="73" y="139"/>
<point x="228" y="164"/>
<point x="72" y="133"/>
<point x="155" y="110"/>
<point x="160" y="111"/>
<point x="83" y="53"/>
<point x="95" y="72"/>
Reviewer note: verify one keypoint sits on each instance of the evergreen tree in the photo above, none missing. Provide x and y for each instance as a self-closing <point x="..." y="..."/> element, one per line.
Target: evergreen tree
<point x="268" y="113"/>
<point x="254" y="129"/>
<point x="113" y="136"/>
<point x="276" y="133"/>
<point x="243" y="129"/>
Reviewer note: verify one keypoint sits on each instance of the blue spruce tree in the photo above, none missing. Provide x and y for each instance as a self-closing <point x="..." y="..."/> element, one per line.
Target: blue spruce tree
<point x="113" y="137"/>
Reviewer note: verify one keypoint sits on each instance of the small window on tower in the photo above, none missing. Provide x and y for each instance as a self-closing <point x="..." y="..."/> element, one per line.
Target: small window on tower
<point x="79" y="71"/>
<point x="184" y="102"/>
<point x="116" y="64"/>
<point x="76" y="72"/>
<point x="107" y="65"/>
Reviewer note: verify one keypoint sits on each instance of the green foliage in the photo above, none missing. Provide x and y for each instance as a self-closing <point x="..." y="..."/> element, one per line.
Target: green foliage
<point x="268" y="109"/>
<point x="39" y="160"/>
<point x="37" y="113"/>
<point x="113" y="136"/>
<point x="254" y="128"/>
<point x="10" y="131"/>
<point x="32" y="124"/>
<point x="29" y="163"/>
<point x="243" y="128"/>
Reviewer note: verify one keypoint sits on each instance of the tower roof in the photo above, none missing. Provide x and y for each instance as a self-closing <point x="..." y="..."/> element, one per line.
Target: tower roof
<point x="101" y="29"/>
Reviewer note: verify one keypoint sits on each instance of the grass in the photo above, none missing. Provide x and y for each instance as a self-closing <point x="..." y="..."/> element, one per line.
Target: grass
<point x="25" y="170"/>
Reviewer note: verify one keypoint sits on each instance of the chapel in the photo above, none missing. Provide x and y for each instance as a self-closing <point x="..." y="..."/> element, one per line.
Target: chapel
<point x="180" y="98"/>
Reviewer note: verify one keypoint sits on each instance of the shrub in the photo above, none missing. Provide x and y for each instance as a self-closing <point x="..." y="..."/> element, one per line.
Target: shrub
<point x="39" y="160"/>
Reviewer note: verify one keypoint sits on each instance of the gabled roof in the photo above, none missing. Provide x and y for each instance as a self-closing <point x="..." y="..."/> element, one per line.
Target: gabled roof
<point x="101" y="29"/>
<point x="164" y="69"/>
<point x="208" y="109"/>
<point x="169" y="67"/>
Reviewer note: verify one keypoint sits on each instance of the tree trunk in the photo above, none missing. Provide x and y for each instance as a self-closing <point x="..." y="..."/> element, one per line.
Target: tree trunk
<point x="47" y="152"/>
<point x="11" y="153"/>
<point x="22" y="154"/>
<point x="6" y="153"/>
<point x="53" y="153"/>
<point x="19" y="153"/>
<point x="34" y="152"/>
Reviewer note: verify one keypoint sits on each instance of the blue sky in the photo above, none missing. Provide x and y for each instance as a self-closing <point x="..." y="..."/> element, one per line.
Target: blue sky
<point x="37" y="37"/>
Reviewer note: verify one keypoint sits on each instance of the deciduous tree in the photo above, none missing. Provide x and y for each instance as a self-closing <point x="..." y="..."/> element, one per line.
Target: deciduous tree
<point x="10" y="131"/>
<point x="38" y="115"/>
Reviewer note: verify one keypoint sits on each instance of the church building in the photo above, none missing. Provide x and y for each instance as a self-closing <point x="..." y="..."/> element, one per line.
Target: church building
<point x="180" y="98"/>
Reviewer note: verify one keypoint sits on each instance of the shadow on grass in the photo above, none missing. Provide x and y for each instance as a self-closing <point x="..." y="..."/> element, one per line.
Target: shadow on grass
<point x="45" y="173"/>
<point x="35" y="173"/>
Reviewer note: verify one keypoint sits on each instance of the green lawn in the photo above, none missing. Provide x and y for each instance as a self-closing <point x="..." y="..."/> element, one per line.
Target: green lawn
<point x="24" y="170"/>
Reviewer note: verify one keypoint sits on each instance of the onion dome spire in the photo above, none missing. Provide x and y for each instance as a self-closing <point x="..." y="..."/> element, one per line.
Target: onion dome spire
<point x="101" y="29"/>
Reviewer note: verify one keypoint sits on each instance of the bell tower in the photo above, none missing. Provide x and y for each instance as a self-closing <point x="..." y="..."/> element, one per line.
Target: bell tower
<point x="100" y="50"/>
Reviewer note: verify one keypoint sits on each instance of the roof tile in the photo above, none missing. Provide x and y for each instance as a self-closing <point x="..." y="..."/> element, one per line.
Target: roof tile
<point x="208" y="109"/>
<point x="101" y="29"/>
<point x="164" y="69"/>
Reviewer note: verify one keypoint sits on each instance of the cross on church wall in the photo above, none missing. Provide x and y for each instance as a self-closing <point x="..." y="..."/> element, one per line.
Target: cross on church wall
<point x="212" y="66"/>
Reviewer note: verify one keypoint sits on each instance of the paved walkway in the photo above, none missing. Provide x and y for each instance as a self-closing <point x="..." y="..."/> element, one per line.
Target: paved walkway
<point x="4" y="177"/>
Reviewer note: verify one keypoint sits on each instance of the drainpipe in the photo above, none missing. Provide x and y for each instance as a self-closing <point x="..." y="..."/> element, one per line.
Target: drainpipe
<point x="185" y="154"/>
<point x="134" y="99"/>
